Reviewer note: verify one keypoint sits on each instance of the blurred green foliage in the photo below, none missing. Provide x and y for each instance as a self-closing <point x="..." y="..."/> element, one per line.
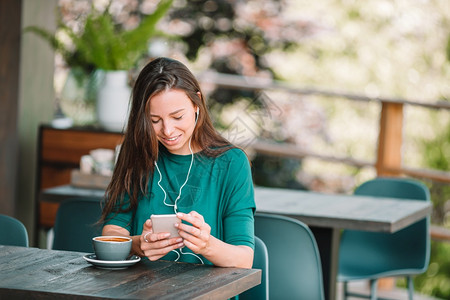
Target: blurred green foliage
<point x="220" y="24"/>
<point x="103" y="44"/>
<point x="436" y="280"/>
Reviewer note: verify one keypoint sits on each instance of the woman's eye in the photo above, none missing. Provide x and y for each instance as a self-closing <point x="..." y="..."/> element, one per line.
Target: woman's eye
<point x="179" y="117"/>
<point x="155" y="121"/>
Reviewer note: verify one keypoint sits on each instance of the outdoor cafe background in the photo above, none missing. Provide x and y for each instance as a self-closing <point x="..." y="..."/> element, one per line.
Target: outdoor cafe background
<point x="335" y="138"/>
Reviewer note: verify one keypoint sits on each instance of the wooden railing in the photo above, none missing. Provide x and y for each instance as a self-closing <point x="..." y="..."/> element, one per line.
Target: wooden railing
<point x="388" y="160"/>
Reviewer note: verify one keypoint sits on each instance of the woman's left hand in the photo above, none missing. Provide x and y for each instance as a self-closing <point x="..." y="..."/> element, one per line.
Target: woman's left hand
<point x="197" y="236"/>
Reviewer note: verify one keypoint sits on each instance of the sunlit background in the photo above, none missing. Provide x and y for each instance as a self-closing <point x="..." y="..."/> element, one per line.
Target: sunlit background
<point x="375" y="48"/>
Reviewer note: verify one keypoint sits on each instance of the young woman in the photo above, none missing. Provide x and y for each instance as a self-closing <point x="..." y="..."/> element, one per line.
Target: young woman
<point x="173" y="161"/>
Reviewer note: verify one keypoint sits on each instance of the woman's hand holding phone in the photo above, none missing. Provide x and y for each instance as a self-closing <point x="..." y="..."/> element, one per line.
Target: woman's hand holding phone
<point x="197" y="235"/>
<point x="157" y="244"/>
<point x="158" y="237"/>
<point x="165" y="223"/>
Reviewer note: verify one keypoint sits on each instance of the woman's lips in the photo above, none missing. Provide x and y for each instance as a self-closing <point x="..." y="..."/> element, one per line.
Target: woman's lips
<point x="171" y="140"/>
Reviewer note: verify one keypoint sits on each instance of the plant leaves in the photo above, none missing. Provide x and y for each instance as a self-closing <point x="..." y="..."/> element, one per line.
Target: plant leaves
<point x="101" y="45"/>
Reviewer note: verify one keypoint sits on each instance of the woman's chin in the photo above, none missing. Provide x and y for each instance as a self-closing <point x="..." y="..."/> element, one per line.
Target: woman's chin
<point x="177" y="149"/>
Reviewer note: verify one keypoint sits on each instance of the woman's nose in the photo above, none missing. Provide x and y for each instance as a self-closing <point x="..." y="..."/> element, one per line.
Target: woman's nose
<point x="168" y="128"/>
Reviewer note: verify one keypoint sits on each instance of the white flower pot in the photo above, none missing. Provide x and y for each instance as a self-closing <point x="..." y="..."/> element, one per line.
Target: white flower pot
<point x="113" y="100"/>
<point x="78" y="97"/>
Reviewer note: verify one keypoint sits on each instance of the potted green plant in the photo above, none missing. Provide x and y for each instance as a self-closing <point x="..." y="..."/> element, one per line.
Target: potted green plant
<point x="109" y="51"/>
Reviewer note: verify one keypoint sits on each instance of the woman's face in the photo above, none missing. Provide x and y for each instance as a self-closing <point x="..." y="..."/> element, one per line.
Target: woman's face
<point x="173" y="118"/>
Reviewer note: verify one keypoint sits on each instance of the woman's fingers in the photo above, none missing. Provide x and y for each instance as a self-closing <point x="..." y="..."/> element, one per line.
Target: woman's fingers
<point x="196" y="237"/>
<point x="193" y="217"/>
<point x="156" y="245"/>
<point x="164" y="246"/>
<point x="146" y="231"/>
<point x="193" y="234"/>
<point x="156" y="250"/>
<point x="160" y="240"/>
<point x="151" y="237"/>
<point x="147" y="225"/>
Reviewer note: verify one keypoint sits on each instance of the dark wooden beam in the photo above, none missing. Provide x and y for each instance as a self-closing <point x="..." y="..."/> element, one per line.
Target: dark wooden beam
<point x="10" y="28"/>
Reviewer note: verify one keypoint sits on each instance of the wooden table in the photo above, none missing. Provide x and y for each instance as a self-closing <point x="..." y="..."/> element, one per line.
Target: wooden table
<point x="327" y="214"/>
<point x="342" y="211"/>
<point x="32" y="273"/>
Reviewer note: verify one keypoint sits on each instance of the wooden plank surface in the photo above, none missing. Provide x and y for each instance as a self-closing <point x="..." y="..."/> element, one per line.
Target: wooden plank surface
<point x="60" y="151"/>
<point x="67" y="146"/>
<point x="326" y="214"/>
<point x="342" y="211"/>
<point x="315" y="209"/>
<point x="40" y="273"/>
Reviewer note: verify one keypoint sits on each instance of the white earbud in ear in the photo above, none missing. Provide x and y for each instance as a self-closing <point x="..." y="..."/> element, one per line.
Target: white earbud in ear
<point x="196" y="115"/>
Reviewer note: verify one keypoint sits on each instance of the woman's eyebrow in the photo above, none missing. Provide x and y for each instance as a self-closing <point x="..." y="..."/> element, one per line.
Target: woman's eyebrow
<point x="177" y="111"/>
<point x="171" y="114"/>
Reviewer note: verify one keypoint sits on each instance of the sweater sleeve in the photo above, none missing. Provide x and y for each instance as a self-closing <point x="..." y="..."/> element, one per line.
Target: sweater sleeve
<point x="121" y="217"/>
<point x="240" y="207"/>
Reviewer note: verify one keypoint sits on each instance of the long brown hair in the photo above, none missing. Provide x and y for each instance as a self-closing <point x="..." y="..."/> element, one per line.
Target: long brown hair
<point x="140" y="147"/>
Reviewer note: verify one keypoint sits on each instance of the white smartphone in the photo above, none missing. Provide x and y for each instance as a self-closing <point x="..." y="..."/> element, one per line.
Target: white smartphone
<point x="165" y="223"/>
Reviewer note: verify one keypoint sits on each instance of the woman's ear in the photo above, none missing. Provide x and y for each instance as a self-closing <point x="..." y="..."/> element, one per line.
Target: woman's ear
<point x="198" y="107"/>
<point x="197" y="113"/>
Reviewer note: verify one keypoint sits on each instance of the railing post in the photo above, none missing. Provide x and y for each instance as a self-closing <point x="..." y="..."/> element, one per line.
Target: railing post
<point x="389" y="156"/>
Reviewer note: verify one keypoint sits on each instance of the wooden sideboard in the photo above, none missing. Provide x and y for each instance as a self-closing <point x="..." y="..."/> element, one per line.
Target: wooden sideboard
<point x="59" y="152"/>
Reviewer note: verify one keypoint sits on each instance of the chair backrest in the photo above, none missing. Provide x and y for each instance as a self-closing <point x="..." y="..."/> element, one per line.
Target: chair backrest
<point x="12" y="232"/>
<point x="260" y="261"/>
<point x="295" y="270"/>
<point x="75" y="224"/>
<point x="404" y="252"/>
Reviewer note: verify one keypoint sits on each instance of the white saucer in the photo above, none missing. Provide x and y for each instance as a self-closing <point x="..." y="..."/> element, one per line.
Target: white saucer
<point x="111" y="264"/>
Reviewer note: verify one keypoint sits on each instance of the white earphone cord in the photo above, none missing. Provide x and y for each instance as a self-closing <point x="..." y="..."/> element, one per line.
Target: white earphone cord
<point x="178" y="197"/>
<point x="181" y="188"/>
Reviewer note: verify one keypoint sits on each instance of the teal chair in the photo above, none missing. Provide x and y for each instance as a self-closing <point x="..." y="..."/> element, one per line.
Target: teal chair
<point x="374" y="255"/>
<point x="260" y="261"/>
<point x="75" y="224"/>
<point x="12" y="232"/>
<point x="295" y="270"/>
